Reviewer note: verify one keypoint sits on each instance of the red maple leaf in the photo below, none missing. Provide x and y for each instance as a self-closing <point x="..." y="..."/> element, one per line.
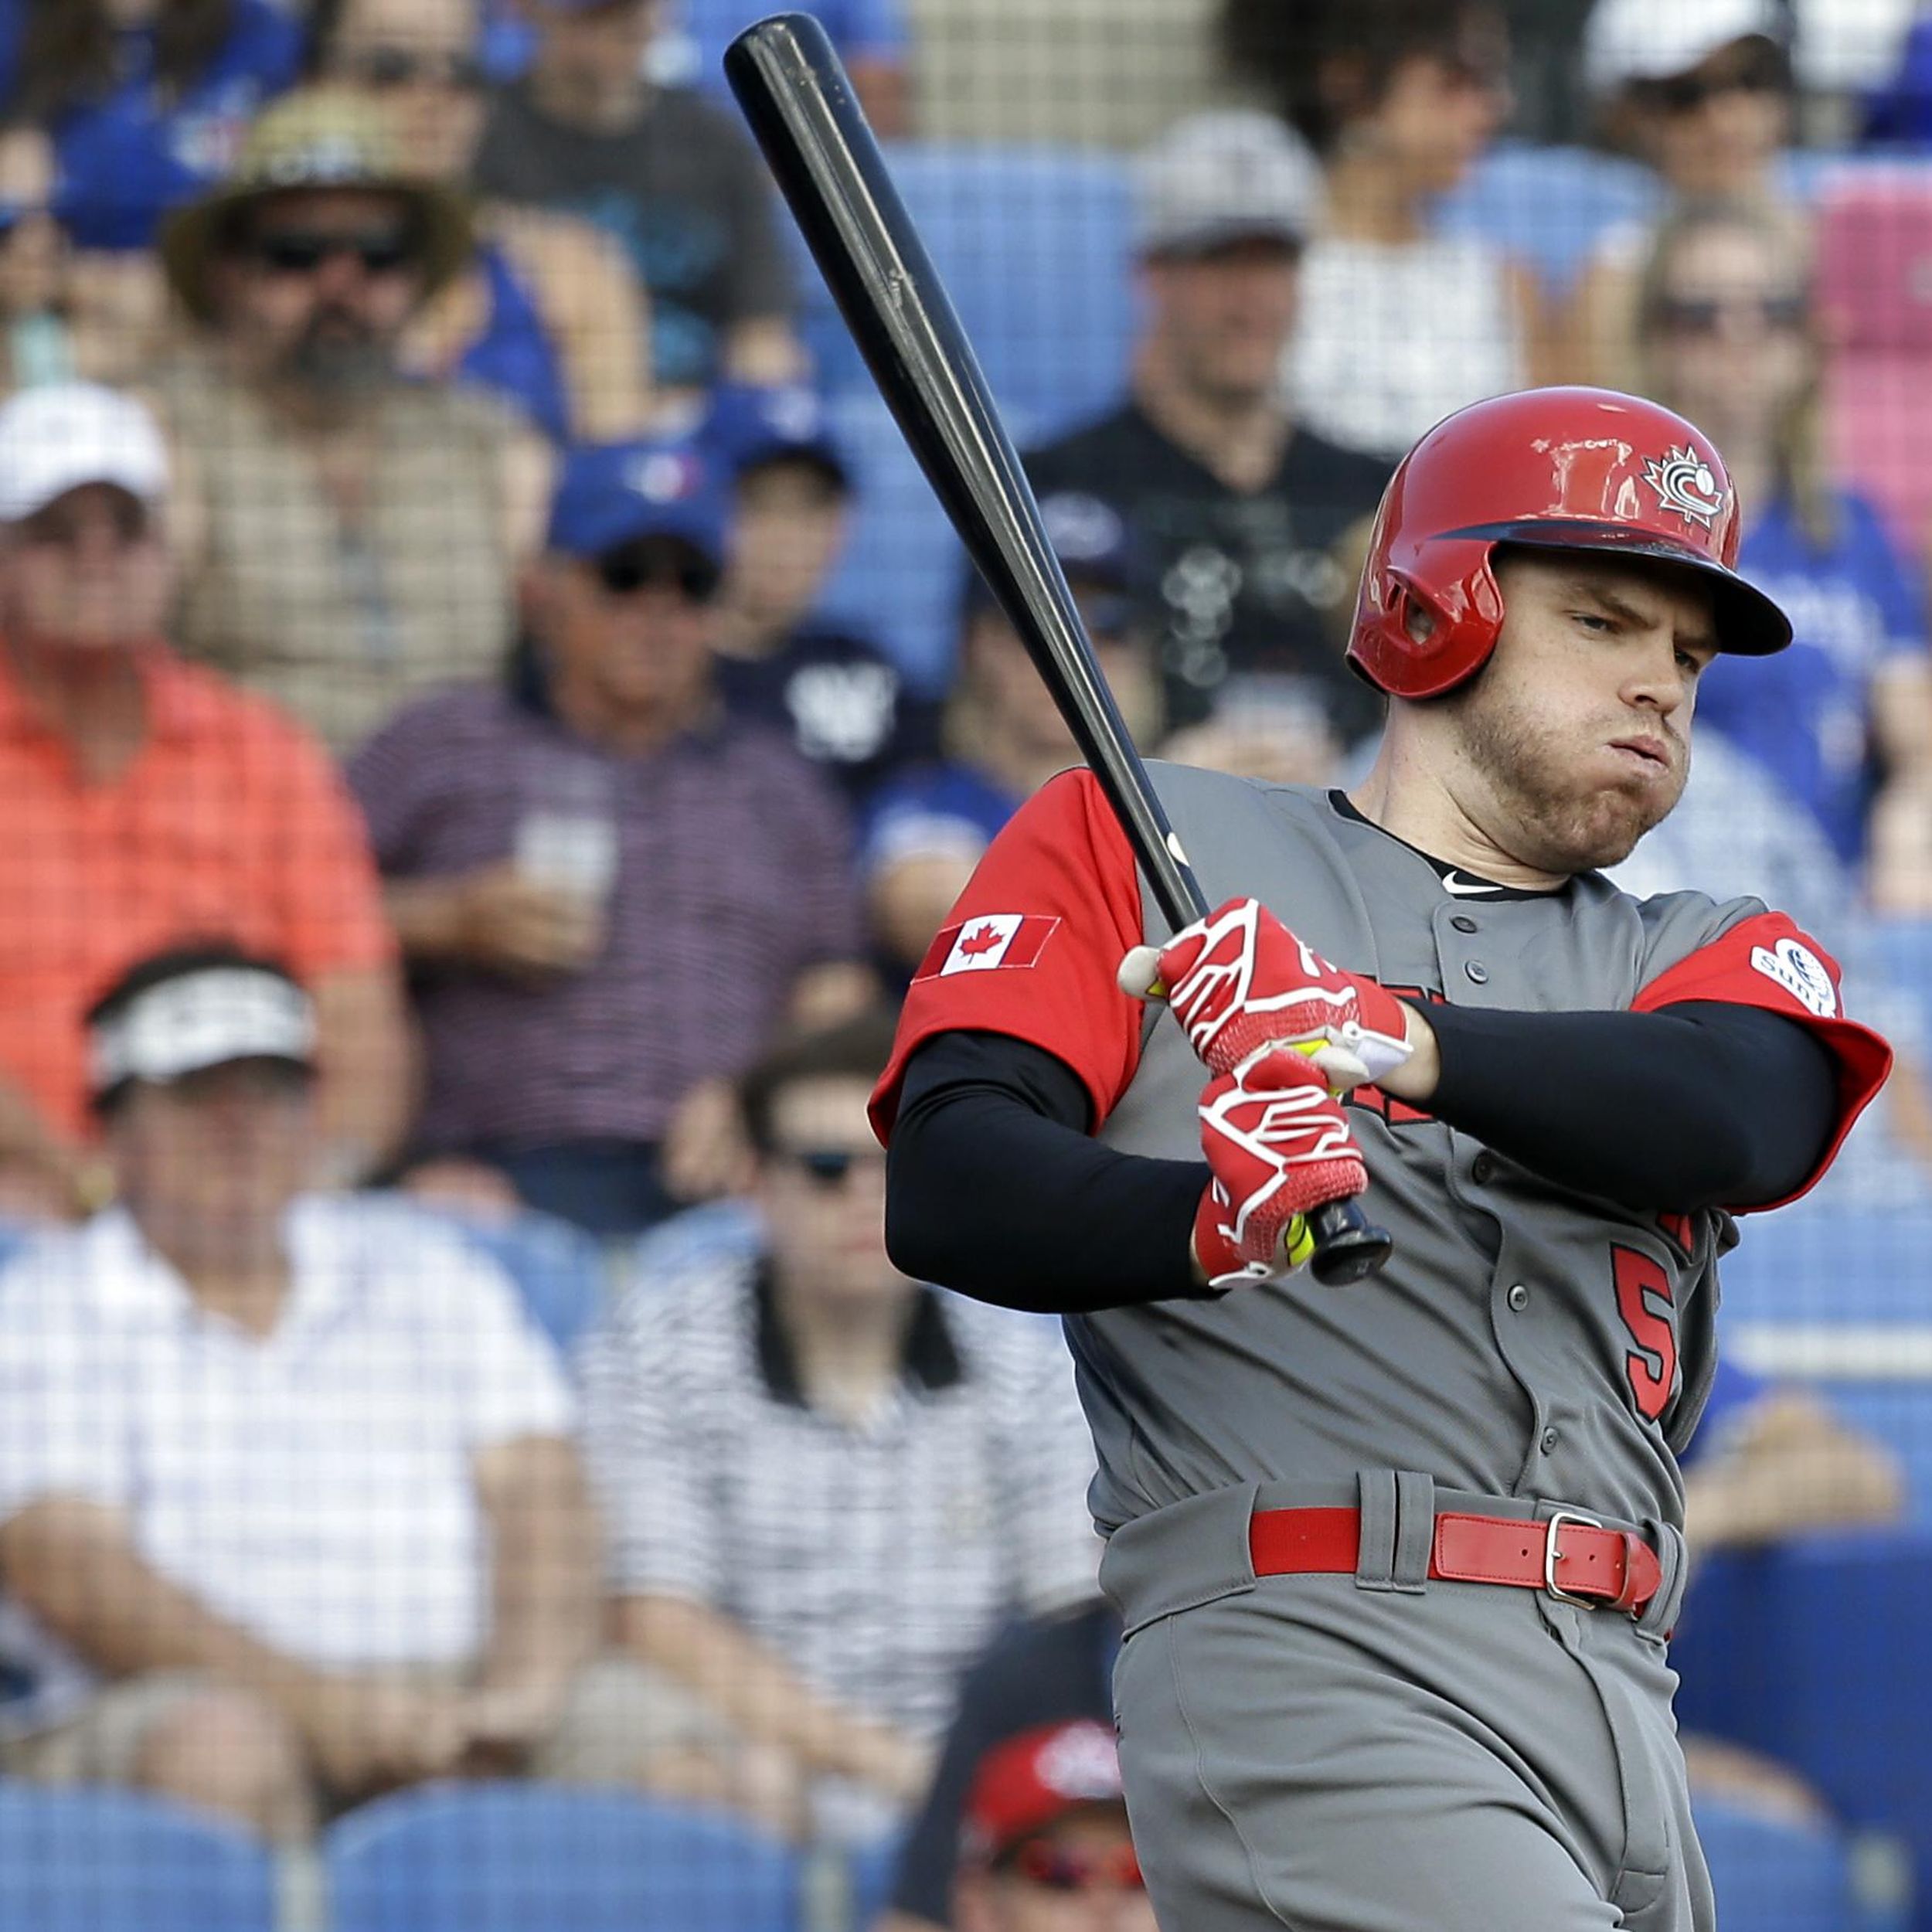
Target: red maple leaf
<point x="972" y="944"/>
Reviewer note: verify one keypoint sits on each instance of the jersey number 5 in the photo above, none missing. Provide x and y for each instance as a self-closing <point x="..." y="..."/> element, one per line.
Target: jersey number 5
<point x="1651" y="1366"/>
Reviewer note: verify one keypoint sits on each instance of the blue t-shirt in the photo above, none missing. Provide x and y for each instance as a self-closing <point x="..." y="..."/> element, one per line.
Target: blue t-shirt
<point x="1806" y="713"/>
<point x="128" y="157"/>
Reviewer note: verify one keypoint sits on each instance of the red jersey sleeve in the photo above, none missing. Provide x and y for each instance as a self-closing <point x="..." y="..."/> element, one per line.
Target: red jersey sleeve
<point x="1030" y="948"/>
<point x="1767" y="961"/>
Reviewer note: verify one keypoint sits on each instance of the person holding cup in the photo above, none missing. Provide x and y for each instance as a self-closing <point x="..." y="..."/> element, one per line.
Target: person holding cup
<point x="612" y="894"/>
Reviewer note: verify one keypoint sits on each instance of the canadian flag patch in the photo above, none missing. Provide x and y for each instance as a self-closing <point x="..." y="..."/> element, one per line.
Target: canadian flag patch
<point x="982" y="945"/>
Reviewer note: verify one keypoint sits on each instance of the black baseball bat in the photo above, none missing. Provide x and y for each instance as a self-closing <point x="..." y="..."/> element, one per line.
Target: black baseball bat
<point x="799" y="102"/>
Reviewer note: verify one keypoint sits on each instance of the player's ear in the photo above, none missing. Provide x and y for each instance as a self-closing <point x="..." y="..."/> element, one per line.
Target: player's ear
<point x="1420" y="622"/>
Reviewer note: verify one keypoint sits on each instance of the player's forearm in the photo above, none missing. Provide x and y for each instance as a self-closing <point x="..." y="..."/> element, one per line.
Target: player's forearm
<point x="1697" y="1106"/>
<point x="995" y="1189"/>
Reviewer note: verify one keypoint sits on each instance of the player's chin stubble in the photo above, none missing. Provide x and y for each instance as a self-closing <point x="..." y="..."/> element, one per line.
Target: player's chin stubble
<point x="1553" y="818"/>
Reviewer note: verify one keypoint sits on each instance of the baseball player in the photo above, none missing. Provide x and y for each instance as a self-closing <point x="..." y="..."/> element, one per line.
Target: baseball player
<point x="1397" y="1561"/>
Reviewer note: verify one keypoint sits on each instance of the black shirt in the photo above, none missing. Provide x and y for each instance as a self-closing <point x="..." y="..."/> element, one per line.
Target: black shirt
<point x="682" y="190"/>
<point x="1240" y="582"/>
<point x="842" y="701"/>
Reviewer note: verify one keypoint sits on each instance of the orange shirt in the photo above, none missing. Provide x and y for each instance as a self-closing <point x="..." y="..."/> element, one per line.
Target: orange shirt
<point x="230" y="824"/>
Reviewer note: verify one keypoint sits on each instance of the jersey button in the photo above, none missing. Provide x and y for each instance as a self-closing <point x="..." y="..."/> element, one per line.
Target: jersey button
<point x="1548" y="1442"/>
<point x="1483" y="1168"/>
<point x="1519" y="1298"/>
<point x="1478" y="971"/>
<point x="1463" y="923"/>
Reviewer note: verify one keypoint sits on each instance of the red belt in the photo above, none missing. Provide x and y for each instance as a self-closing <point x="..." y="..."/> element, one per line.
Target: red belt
<point x="1572" y="1557"/>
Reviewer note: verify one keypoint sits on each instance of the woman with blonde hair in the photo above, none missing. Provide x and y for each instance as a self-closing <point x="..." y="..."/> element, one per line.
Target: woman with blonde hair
<point x="1844" y="719"/>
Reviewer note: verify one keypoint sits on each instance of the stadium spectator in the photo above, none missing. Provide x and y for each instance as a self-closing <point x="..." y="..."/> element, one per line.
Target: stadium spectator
<point x="1700" y="91"/>
<point x="41" y="339"/>
<point x="612" y="894"/>
<point x="1242" y="517"/>
<point x="547" y="312"/>
<point x="826" y="1485"/>
<point x="924" y="830"/>
<point x="289" y="1514"/>
<point x="665" y="171"/>
<point x="349" y="533"/>
<point x="1045" y="1671"/>
<point x="1844" y="719"/>
<point x="1398" y="326"/>
<point x="113" y="112"/>
<point x="147" y="802"/>
<point x="843" y="701"/>
<point x="1047" y="1848"/>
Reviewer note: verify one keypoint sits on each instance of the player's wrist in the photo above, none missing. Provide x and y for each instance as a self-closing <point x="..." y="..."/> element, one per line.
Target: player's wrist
<point x="1416" y="1079"/>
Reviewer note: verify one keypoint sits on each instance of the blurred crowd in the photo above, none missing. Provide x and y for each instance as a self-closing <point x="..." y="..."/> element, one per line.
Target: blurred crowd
<point x="441" y="788"/>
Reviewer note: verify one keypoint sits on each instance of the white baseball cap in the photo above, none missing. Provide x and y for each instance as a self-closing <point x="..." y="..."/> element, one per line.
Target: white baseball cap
<point x="204" y="1017"/>
<point x="56" y="438"/>
<point x="1627" y="40"/>
<point x="1224" y="177"/>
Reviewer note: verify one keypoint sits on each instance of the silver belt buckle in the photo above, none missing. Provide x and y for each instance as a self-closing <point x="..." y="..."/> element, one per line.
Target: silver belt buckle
<point x="1551" y="1552"/>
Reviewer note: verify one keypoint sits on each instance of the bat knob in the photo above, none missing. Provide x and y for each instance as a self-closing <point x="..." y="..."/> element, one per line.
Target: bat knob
<point x="1348" y="1246"/>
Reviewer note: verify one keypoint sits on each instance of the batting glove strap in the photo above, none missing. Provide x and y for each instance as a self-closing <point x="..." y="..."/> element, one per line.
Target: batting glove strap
<point x="1278" y="1146"/>
<point x="1239" y="981"/>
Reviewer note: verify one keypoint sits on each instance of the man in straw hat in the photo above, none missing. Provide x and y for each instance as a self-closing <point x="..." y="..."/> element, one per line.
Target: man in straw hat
<point x="352" y="534"/>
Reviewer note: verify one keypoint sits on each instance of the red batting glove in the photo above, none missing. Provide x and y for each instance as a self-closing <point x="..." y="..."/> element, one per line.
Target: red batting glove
<point x="1239" y="981"/>
<point x="1279" y="1147"/>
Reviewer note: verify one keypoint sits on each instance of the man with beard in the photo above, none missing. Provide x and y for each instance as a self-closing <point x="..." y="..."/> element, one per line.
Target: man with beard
<point x="350" y="534"/>
<point x="1396" y="1562"/>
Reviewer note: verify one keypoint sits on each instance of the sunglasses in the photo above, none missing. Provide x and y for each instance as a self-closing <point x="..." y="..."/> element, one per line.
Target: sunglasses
<point x="1696" y="315"/>
<point x="383" y="69"/>
<point x="624" y="574"/>
<point x="303" y="251"/>
<point x="1756" y="67"/>
<point x="828" y="1168"/>
<point x="1056" y="1867"/>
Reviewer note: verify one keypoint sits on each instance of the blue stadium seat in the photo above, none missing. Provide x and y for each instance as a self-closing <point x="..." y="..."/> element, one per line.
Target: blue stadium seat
<point x="1771" y="1876"/>
<point x="558" y="1269"/>
<point x="510" y="1858"/>
<point x="730" y="1229"/>
<point x="1548" y="207"/>
<point x="110" y="1861"/>
<point x="1810" y="1263"/>
<point x="872" y="1867"/>
<point x="1035" y="245"/>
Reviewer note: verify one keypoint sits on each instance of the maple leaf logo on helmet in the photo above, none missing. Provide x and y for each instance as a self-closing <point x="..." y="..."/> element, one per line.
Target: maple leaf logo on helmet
<point x="1685" y="482"/>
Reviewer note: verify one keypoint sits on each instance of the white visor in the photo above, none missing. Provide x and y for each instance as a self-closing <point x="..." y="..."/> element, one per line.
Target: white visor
<point x="204" y="1020"/>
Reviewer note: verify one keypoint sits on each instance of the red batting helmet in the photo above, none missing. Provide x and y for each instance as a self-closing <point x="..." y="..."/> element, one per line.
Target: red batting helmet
<point x="1562" y="469"/>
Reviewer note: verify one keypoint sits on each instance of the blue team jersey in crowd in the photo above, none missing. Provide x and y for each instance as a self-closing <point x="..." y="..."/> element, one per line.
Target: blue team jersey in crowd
<point x="1806" y="713"/>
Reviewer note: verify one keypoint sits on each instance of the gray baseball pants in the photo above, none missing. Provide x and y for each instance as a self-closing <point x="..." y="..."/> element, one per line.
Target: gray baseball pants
<point x="1380" y="1753"/>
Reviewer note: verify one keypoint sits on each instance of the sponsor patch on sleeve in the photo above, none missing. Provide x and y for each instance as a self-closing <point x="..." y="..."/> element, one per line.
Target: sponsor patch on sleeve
<point x="1801" y="972"/>
<point x="986" y="944"/>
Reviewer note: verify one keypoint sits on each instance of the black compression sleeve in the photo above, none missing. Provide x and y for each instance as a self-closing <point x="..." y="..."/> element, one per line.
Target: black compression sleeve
<point x="996" y="1190"/>
<point x="1705" y="1104"/>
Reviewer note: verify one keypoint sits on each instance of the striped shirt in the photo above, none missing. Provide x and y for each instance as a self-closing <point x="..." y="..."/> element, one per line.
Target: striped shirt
<point x="733" y="875"/>
<point x="877" y="1559"/>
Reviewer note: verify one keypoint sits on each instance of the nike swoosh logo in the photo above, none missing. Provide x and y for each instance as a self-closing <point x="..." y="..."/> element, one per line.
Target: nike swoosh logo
<point x="1458" y="887"/>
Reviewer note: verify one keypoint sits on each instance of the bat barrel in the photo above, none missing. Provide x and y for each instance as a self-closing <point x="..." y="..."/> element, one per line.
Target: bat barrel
<point x="800" y="106"/>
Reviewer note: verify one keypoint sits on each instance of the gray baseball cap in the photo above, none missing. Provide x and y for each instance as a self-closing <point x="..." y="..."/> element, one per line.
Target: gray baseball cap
<point x="1224" y="177"/>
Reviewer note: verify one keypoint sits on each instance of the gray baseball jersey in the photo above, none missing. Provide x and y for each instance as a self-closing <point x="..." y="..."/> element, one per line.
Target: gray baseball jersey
<point x="1527" y="1347"/>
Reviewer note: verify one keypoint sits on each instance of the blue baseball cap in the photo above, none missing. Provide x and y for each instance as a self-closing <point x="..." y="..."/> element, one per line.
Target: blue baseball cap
<point x="752" y="423"/>
<point x="612" y="494"/>
<point x="1095" y="553"/>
